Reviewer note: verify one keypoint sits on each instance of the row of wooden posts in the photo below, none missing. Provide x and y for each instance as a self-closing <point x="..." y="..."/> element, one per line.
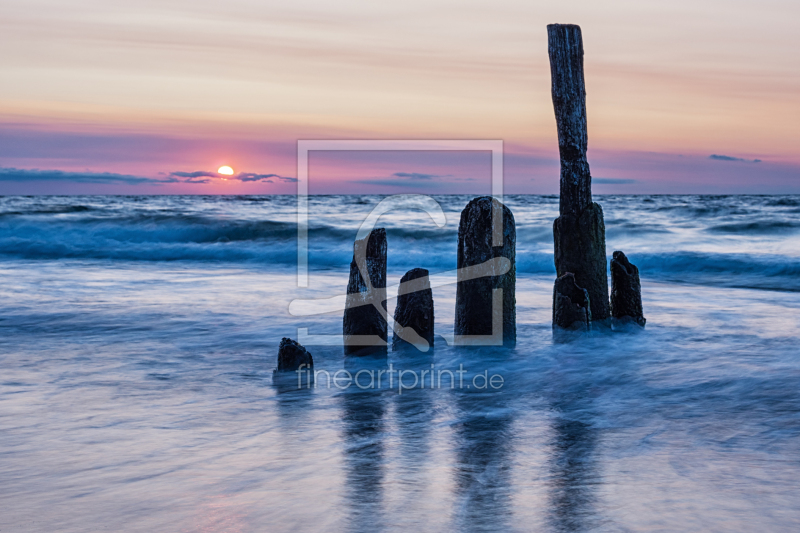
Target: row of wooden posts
<point x="485" y="293"/>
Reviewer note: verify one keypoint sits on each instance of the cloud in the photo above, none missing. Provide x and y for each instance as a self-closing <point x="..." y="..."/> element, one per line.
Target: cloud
<point x="196" y="174"/>
<point x="193" y="177"/>
<point x="198" y="177"/>
<point x="729" y="158"/>
<point x="398" y="183"/>
<point x="404" y="179"/>
<point x="22" y="175"/>
<point x="419" y="176"/>
<point x="250" y="176"/>
<point x="612" y="181"/>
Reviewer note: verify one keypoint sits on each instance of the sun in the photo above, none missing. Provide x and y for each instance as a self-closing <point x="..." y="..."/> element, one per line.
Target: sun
<point x="225" y="170"/>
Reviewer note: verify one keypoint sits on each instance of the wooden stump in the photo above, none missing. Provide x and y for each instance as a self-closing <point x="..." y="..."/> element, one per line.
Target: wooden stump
<point x="292" y="354"/>
<point x="478" y="277"/>
<point x="571" y="304"/>
<point x="413" y="315"/>
<point x="626" y="291"/>
<point x="364" y="324"/>
<point x="580" y="248"/>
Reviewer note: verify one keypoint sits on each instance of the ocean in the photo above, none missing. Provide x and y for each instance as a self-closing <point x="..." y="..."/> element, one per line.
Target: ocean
<point x="138" y="335"/>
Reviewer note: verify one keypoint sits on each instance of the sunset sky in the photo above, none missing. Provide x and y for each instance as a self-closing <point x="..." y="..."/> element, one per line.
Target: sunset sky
<point x="151" y="97"/>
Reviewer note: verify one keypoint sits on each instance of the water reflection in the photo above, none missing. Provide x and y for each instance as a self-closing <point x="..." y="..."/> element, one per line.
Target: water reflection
<point x="363" y="418"/>
<point x="293" y="397"/>
<point x="483" y="450"/>
<point x="413" y="414"/>
<point x="573" y="477"/>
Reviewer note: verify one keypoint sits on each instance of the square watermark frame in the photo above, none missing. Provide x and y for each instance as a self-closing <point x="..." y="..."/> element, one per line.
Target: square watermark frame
<point x="304" y="147"/>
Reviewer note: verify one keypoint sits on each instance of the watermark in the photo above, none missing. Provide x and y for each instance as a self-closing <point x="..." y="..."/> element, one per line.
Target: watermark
<point x="376" y="296"/>
<point x="401" y="379"/>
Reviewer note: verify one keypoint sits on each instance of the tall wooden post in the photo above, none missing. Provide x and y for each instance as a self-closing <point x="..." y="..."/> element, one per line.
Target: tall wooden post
<point x="579" y="233"/>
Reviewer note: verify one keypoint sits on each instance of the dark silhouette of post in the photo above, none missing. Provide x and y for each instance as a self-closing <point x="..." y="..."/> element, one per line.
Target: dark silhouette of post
<point x="291" y="355"/>
<point x="571" y="308"/>
<point x="565" y="46"/>
<point x="626" y="291"/>
<point x="481" y="276"/>
<point x="364" y="323"/>
<point x="413" y="315"/>
<point x="579" y="233"/>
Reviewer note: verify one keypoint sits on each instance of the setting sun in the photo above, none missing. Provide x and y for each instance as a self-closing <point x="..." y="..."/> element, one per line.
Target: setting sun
<point x="225" y="170"/>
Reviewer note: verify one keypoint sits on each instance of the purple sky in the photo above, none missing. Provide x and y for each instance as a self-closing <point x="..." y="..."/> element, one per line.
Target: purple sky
<point x="152" y="97"/>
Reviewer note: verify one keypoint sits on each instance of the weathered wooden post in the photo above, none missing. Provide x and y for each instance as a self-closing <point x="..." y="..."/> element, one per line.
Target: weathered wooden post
<point x="413" y="315"/>
<point x="291" y="355"/>
<point x="481" y="276"/>
<point x="579" y="233"/>
<point x="571" y="308"/>
<point x="626" y="291"/>
<point x="364" y="323"/>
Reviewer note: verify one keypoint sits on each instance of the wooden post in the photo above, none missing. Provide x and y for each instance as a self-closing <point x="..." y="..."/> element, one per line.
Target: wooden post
<point x="569" y="100"/>
<point x="626" y="291"/>
<point x="476" y="311"/>
<point x="579" y="233"/>
<point x="364" y="323"/>
<point x="413" y="315"/>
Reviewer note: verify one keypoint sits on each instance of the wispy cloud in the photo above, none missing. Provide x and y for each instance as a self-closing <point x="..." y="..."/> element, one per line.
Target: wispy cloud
<point x="415" y="179"/>
<point x="717" y="157"/>
<point x="612" y="181"/>
<point x="250" y="176"/>
<point x="398" y="183"/>
<point x="197" y="175"/>
<point x="25" y="175"/>
<point x="419" y="175"/>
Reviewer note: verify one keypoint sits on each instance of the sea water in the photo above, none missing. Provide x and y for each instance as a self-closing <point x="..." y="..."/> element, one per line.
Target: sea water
<point x="138" y="336"/>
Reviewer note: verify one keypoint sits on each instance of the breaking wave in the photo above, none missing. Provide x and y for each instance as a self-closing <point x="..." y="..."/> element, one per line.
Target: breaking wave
<point x="689" y="238"/>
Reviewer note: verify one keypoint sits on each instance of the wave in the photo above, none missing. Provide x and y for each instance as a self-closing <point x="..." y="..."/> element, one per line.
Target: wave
<point x="263" y="230"/>
<point x="767" y="271"/>
<point x="155" y="236"/>
<point x="703" y="211"/>
<point x="100" y="249"/>
<point x="756" y="227"/>
<point x="49" y="210"/>
<point x="784" y="202"/>
<point x="630" y="228"/>
<point x="683" y="264"/>
<point x="152" y="228"/>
